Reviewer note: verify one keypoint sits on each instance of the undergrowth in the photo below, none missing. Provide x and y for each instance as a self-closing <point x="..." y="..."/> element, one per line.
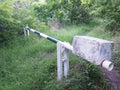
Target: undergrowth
<point x="29" y="63"/>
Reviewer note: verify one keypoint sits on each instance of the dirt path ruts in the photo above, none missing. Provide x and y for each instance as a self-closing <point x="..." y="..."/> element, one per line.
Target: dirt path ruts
<point x="113" y="77"/>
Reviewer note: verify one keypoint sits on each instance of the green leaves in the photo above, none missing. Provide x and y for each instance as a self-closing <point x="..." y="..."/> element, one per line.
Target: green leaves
<point x="13" y="18"/>
<point x="66" y="11"/>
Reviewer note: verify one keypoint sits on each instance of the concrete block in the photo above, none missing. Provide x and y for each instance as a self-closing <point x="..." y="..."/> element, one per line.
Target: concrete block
<point x="92" y="49"/>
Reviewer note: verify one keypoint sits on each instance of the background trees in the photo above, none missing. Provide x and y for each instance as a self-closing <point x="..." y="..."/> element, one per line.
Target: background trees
<point x="16" y="14"/>
<point x="13" y="18"/>
<point x="68" y="11"/>
<point x="108" y="10"/>
<point x="9" y="27"/>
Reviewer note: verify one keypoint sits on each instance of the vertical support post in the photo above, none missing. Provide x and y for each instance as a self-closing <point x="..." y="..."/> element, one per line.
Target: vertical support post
<point x="66" y="63"/>
<point x="62" y="58"/>
<point x="24" y="31"/>
<point x="28" y="32"/>
<point x="59" y="62"/>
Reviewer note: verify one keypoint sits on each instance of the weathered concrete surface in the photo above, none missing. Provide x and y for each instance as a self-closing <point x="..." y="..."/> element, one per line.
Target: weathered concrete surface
<point x="92" y="49"/>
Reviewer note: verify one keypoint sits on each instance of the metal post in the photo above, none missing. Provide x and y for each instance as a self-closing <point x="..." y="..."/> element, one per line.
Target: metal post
<point x="41" y="34"/>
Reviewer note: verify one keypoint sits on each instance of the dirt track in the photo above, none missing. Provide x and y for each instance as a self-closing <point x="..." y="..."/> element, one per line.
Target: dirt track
<point x="113" y="77"/>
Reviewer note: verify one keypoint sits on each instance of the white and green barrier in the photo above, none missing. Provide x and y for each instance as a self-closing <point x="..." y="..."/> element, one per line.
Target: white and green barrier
<point x="94" y="50"/>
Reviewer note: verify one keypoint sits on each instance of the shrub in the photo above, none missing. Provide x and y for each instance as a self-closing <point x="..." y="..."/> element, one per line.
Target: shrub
<point x="13" y="18"/>
<point x="66" y="11"/>
<point x="108" y="9"/>
<point x="9" y="27"/>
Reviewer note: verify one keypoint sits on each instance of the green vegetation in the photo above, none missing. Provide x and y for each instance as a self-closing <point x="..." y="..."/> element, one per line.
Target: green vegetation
<point x="29" y="63"/>
<point x="107" y="9"/>
<point x="9" y="27"/>
<point x="66" y="11"/>
<point x="16" y="14"/>
<point x="13" y="18"/>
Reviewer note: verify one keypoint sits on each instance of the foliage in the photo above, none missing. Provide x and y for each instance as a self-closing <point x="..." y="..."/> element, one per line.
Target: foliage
<point x="50" y="11"/>
<point x="87" y="77"/>
<point x="113" y="14"/>
<point x="66" y="11"/>
<point x="116" y="58"/>
<point x="22" y="12"/>
<point x="107" y="9"/>
<point x="9" y="27"/>
<point x="14" y="17"/>
<point x="78" y="13"/>
<point x="110" y="9"/>
<point x="30" y="63"/>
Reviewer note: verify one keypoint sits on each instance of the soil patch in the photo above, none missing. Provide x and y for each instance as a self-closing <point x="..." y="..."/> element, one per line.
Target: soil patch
<point x="113" y="77"/>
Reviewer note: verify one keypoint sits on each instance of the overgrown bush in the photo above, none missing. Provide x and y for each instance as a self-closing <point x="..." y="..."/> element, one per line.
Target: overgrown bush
<point x="87" y="77"/>
<point x="113" y="14"/>
<point x="9" y="27"/>
<point x="79" y="15"/>
<point x="23" y="12"/>
<point x="49" y="12"/>
<point x="66" y="11"/>
<point x="107" y="9"/>
<point x="15" y="15"/>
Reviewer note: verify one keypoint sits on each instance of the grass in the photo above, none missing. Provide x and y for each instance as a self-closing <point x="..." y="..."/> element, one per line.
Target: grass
<point x="30" y="62"/>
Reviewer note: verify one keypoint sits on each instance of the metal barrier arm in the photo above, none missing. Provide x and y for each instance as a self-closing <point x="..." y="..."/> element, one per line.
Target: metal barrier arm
<point x="42" y="34"/>
<point x="65" y="44"/>
<point x="62" y="53"/>
<point x="94" y="50"/>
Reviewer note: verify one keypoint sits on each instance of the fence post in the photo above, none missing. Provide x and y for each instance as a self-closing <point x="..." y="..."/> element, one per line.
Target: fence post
<point x="66" y="63"/>
<point x="59" y="62"/>
<point x="24" y="31"/>
<point x="62" y="59"/>
<point x="28" y="32"/>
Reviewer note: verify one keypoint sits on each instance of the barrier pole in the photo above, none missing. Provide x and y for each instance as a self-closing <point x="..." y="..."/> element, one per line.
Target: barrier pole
<point x="62" y="53"/>
<point x="80" y="45"/>
<point x="41" y="34"/>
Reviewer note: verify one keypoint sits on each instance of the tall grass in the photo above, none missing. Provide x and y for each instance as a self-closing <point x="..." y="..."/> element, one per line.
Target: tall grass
<point x="30" y="63"/>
